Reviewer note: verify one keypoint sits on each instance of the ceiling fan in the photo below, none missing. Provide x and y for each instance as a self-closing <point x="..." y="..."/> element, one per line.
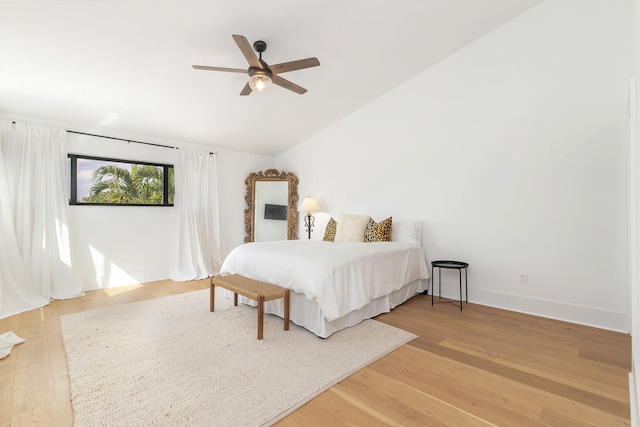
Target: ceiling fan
<point x="261" y="75"/>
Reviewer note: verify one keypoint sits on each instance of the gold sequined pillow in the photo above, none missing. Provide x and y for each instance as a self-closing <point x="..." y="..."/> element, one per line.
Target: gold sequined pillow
<point x="330" y="231"/>
<point x="378" y="232"/>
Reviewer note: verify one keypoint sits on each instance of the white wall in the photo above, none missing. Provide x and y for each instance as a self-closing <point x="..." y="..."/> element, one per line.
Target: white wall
<point x="512" y="152"/>
<point x="119" y="245"/>
<point x="634" y="221"/>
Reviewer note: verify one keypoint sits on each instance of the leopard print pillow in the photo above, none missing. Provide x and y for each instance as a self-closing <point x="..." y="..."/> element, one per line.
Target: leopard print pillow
<point x="330" y="231"/>
<point x="378" y="232"/>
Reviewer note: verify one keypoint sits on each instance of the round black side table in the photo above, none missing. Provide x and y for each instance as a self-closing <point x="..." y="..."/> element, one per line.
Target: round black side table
<point x="455" y="265"/>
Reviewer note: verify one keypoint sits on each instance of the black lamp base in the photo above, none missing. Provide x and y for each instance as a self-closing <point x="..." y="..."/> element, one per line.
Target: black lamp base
<point x="308" y="222"/>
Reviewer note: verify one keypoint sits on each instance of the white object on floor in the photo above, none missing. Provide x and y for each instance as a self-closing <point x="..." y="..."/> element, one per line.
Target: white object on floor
<point x="7" y="341"/>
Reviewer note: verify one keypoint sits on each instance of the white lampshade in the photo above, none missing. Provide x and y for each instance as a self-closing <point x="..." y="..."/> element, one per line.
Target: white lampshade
<point x="259" y="82"/>
<point x="310" y="205"/>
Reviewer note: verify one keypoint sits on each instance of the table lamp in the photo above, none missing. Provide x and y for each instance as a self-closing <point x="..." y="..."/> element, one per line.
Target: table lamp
<point x="309" y="204"/>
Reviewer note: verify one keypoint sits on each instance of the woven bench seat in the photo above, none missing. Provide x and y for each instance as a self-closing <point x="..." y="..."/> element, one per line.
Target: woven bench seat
<point x="252" y="289"/>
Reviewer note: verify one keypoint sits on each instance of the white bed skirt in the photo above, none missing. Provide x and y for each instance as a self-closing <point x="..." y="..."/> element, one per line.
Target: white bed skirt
<point x="307" y="313"/>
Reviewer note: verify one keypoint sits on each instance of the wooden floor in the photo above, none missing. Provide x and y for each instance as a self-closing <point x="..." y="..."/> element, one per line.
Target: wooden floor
<point x="478" y="367"/>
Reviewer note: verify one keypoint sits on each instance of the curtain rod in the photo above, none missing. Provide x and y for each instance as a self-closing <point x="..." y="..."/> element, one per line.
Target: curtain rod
<point x="122" y="139"/>
<point x="128" y="140"/>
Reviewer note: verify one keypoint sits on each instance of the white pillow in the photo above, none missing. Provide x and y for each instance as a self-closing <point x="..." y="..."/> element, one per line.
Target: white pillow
<point x="407" y="231"/>
<point x="351" y="228"/>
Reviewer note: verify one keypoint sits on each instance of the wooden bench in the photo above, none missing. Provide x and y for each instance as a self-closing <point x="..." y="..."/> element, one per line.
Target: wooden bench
<point x="252" y="289"/>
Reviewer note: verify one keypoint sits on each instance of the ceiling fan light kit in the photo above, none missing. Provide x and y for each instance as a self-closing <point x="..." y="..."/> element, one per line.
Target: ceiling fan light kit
<point x="259" y="82"/>
<point x="262" y="75"/>
<point x="259" y="79"/>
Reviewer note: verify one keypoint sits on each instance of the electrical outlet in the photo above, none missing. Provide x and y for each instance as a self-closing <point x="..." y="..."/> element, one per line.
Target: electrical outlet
<point x="524" y="278"/>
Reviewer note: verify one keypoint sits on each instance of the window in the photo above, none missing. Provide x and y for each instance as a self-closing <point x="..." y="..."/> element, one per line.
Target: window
<point x="103" y="181"/>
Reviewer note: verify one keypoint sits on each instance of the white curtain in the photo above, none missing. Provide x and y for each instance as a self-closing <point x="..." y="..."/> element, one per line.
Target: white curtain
<point x="35" y="253"/>
<point x="195" y="248"/>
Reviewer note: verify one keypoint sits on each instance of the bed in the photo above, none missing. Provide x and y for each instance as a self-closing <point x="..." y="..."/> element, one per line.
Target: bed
<point x="333" y="285"/>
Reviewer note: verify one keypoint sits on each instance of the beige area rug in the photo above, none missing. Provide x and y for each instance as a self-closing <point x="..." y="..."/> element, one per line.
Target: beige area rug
<point x="171" y="362"/>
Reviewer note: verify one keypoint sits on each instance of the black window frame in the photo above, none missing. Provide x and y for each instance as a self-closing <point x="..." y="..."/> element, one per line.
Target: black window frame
<point x="73" y="194"/>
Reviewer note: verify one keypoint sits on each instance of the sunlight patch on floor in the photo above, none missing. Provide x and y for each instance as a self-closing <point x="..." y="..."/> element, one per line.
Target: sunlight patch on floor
<point x="120" y="289"/>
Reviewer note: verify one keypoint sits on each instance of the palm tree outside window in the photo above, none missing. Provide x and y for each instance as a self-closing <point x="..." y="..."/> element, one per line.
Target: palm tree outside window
<point x="104" y="181"/>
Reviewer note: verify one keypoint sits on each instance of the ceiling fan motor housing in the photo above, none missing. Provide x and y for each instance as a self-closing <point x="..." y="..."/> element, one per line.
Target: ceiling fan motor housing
<point x="260" y="71"/>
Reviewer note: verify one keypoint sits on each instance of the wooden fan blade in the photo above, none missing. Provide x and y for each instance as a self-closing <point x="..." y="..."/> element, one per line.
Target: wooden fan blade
<point x="247" y="50"/>
<point x="230" y="70"/>
<point x="246" y="90"/>
<point x="287" y="84"/>
<point x="294" y="65"/>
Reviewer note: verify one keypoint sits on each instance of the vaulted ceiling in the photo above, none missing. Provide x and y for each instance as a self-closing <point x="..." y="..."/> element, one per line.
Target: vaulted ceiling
<point x="124" y="68"/>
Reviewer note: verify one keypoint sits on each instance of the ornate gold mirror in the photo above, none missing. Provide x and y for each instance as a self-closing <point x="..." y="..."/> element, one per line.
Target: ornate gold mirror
<point x="271" y="214"/>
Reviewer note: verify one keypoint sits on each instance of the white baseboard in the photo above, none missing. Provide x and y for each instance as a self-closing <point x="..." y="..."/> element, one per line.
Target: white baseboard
<point x="633" y="399"/>
<point x="582" y="315"/>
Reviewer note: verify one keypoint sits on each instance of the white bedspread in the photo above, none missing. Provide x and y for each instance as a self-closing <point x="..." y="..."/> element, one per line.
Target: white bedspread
<point x="339" y="276"/>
